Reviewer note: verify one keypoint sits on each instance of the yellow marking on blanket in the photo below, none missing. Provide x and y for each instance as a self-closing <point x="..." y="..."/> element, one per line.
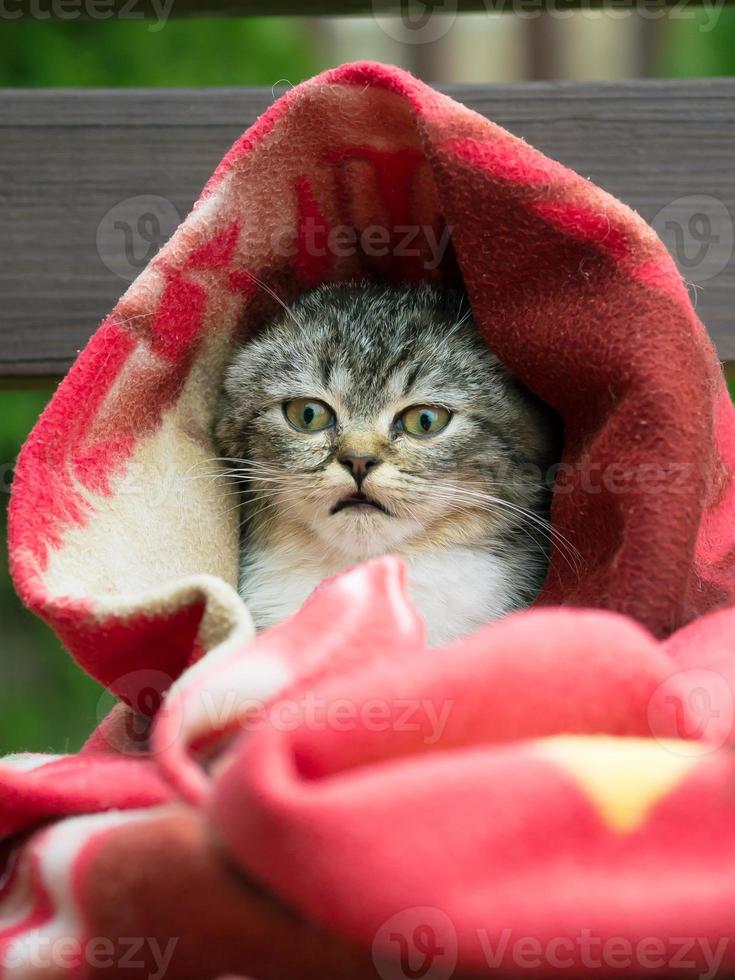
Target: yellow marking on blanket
<point x="623" y="777"/>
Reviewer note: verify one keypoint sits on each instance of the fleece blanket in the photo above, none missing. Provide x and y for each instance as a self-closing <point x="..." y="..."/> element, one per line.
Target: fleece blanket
<point x="553" y="794"/>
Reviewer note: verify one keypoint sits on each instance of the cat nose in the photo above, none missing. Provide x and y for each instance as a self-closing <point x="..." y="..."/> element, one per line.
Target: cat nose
<point x="359" y="464"/>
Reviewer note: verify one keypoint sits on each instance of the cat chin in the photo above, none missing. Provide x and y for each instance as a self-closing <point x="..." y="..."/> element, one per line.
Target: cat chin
<point x="359" y="534"/>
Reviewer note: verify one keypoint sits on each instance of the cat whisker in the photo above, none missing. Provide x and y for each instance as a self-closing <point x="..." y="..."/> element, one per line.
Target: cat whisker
<point x="240" y="463"/>
<point x="255" y="499"/>
<point x="248" y="467"/>
<point x="244" y="481"/>
<point x="535" y="535"/>
<point x="484" y="483"/>
<point x="244" y="488"/>
<point x="565" y="546"/>
<point x="258" y="505"/>
<point x="442" y="340"/>
<point x="570" y="554"/>
<point x="259" y="510"/>
<point x="244" y="476"/>
<point x="274" y="295"/>
<point x="517" y="482"/>
<point x="467" y="506"/>
<point x="239" y="473"/>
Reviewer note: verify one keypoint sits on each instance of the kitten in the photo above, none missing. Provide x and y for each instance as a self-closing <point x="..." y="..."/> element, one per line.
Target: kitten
<point x="368" y="420"/>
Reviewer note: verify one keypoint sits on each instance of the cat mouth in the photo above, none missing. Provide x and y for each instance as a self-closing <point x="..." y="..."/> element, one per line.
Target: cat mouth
<point x="360" y="501"/>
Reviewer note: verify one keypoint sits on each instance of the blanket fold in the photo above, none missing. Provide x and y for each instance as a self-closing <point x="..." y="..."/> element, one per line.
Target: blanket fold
<point x="330" y="798"/>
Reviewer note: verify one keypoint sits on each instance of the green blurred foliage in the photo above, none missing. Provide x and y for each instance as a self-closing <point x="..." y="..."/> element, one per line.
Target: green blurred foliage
<point x="185" y="53"/>
<point x="698" y="41"/>
<point x="46" y="702"/>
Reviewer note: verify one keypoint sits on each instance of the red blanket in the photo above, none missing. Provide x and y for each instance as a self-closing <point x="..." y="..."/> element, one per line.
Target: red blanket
<point x="553" y="794"/>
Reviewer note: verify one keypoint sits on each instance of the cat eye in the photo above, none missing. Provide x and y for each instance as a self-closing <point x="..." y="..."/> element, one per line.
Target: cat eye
<point x="308" y="414"/>
<point x="424" y="420"/>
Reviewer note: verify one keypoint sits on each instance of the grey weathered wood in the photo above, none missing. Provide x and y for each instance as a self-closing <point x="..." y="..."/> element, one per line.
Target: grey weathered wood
<point x="163" y="9"/>
<point x="68" y="157"/>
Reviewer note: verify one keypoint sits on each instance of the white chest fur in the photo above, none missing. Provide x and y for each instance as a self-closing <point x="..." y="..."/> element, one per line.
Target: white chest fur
<point x="455" y="589"/>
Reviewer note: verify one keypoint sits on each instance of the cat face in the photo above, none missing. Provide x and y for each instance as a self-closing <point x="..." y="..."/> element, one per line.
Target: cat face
<point x="377" y="420"/>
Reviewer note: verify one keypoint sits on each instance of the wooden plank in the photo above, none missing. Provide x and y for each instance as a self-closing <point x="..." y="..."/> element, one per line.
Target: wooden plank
<point x="73" y="163"/>
<point x="161" y="10"/>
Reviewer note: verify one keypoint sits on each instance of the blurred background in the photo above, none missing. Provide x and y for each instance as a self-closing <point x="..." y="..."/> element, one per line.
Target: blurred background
<point x="47" y="704"/>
